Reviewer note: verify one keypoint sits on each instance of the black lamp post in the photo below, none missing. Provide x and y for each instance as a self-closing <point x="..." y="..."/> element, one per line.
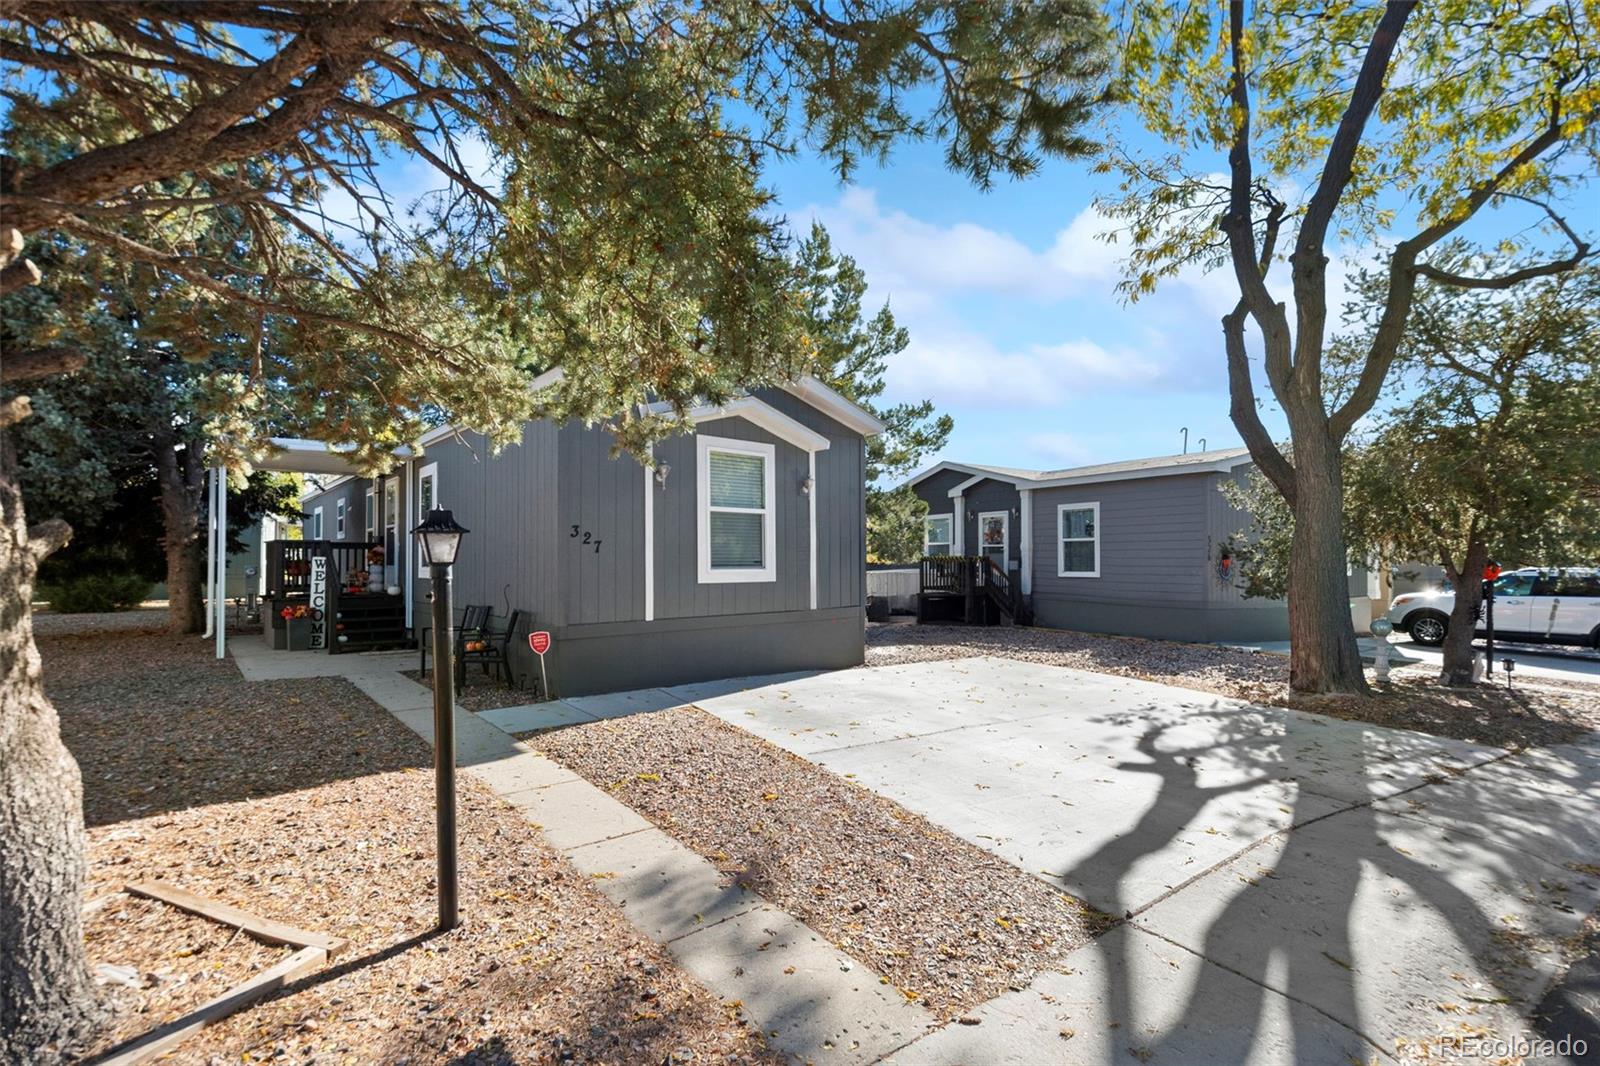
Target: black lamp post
<point x="440" y="538"/>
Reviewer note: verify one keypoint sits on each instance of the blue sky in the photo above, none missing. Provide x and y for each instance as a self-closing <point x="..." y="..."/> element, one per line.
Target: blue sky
<point x="1016" y="326"/>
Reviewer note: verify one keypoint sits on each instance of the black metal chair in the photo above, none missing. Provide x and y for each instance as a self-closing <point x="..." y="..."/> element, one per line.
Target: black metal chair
<point x="494" y="649"/>
<point x="474" y="621"/>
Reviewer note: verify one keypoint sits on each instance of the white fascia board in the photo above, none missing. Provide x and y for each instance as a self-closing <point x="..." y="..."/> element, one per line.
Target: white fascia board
<point x="754" y="411"/>
<point x="961" y="489"/>
<point x="974" y="473"/>
<point x="547" y="379"/>
<point x="835" y="406"/>
<point x="1219" y="466"/>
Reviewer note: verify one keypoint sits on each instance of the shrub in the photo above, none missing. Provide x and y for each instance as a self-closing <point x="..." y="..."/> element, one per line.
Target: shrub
<point x="98" y="592"/>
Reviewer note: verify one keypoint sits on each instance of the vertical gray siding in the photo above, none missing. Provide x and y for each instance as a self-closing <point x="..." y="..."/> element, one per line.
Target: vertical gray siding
<point x="508" y="501"/>
<point x="353" y="492"/>
<point x="600" y="498"/>
<point x="1152" y="542"/>
<point x="935" y="491"/>
<point x="841" y="492"/>
<point x="1225" y="521"/>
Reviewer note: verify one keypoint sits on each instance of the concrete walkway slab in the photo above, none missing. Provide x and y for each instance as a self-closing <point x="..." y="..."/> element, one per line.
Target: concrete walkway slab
<point x="1402" y="929"/>
<point x="813" y="1001"/>
<point x="1081" y="1017"/>
<point x="533" y="716"/>
<point x="621" y="704"/>
<point x="574" y="813"/>
<point x="665" y="889"/>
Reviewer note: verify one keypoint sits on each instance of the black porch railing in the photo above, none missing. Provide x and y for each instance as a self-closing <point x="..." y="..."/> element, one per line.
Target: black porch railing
<point x="971" y="586"/>
<point x="289" y="563"/>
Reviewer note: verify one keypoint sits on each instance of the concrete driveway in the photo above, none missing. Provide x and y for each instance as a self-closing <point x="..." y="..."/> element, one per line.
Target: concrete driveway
<point x="1298" y="888"/>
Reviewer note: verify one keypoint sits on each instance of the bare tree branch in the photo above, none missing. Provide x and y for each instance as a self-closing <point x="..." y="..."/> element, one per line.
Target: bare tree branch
<point x="38" y="363"/>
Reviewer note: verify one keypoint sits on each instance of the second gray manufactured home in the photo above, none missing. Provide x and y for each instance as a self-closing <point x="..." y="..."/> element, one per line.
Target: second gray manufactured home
<point x="1138" y="547"/>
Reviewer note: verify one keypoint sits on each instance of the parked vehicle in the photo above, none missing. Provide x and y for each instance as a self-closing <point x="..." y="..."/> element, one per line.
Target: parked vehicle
<point x="1557" y="606"/>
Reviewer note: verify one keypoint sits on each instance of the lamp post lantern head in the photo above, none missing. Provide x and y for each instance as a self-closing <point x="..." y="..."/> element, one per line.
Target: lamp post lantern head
<point x="440" y="537"/>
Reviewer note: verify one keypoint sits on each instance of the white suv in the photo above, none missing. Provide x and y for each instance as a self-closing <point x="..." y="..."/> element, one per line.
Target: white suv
<point x="1532" y="604"/>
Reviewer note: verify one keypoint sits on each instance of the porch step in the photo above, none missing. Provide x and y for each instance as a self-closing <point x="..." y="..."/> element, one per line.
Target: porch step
<point x="369" y="623"/>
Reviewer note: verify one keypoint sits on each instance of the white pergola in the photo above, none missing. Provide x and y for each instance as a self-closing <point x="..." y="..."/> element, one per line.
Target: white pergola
<point x="290" y="455"/>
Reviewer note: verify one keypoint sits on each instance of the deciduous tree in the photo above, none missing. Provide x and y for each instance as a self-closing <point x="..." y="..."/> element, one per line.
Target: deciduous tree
<point x="1398" y="125"/>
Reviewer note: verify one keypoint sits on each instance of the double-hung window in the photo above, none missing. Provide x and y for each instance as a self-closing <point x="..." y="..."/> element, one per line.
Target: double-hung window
<point x="1078" y="540"/>
<point x="737" y="521"/>
<point x="936" y="534"/>
<point x="316" y="524"/>
<point x="338" y="519"/>
<point x="371" y="512"/>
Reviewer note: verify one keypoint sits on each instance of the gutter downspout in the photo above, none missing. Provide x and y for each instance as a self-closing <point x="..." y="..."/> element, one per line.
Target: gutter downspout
<point x="222" y="564"/>
<point x="211" y="550"/>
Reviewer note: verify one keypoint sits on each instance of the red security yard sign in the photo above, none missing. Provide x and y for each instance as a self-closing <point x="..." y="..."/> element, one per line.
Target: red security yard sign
<point x="540" y="643"/>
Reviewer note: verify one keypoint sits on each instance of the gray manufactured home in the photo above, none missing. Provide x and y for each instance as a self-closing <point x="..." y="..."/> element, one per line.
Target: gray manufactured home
<point x="1136" y="548"/>
<point x="742" y="552"/>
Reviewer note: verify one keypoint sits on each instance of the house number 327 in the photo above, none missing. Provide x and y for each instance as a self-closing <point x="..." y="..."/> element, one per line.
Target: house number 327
<point x="588" y="538"/>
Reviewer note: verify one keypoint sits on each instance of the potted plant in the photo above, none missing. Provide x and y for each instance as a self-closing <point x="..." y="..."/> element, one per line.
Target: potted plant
<point x="297" y="620"/>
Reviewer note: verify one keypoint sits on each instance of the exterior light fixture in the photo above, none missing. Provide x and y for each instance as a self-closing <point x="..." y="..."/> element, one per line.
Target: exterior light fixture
<point x="662" y="470"/>
<point x="440" y="537"/>
<point x="806" y="484"/>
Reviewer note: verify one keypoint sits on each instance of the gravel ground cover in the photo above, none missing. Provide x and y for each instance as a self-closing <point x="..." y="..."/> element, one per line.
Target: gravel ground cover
<point x="1525" y="716"/>
<point x="481" y="693"/>
<point x="197" y="778"/>
<point x="47" y="623"/>
<point x="945" y="922"/>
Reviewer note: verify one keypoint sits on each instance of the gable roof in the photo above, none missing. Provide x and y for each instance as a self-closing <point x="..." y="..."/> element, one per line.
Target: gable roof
<point x="1221" y="459"/>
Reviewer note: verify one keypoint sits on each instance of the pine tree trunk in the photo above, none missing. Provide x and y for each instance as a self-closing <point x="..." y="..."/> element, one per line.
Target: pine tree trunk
<point x="46" y="996"/>
<point x="180" y="477"/>
<point x="1459" y="658"/>
<point x="1323" y="656"/>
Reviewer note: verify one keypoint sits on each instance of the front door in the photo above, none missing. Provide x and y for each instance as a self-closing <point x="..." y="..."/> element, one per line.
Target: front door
<point x="994" y="537"/>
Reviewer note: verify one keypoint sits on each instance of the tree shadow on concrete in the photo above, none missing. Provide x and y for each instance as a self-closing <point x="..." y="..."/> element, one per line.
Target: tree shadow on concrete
<point x="1310" y="921"/>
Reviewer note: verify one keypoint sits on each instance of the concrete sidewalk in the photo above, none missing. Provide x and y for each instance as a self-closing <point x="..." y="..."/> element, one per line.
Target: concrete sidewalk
<point x="812" y="1000"/>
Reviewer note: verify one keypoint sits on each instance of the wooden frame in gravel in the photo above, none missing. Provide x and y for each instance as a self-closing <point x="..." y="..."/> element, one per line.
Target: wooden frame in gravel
<point x="312" y="950"/>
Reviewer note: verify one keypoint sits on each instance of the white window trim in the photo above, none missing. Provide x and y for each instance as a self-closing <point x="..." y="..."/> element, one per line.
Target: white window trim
<point x="1061" y="551"/>
<point x="768" y="571"/>
<point x="371" y="502"/>
<point x="950" y="544"/>
<point x="316" y="523"/>
<point x="1005" y="535"/>
<point x="338" y="519"/>
<point x="429" y="471"/>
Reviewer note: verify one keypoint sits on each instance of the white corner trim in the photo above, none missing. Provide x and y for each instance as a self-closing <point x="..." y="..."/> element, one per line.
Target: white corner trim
<point x="649" y="542"/>
<point x="835" y="406"/>
<point x="757" y="413"/>
<point x="768" y="570"/>
<point x="1025" y="541"/>
<point x="811" y="502"/>
<point x="1061" y="551"/>
<point x="409" y="578"/>
<point x="958" y="526"/>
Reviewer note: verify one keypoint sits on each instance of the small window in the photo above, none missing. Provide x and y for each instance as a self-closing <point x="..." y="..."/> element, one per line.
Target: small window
<point x="936" y="534"/>
<point x="738" y="536"/>
<point x="1078" y="542"/>
<point x="316" y="524"/>
<point x="427" y="491"/>
<point x="338" y="519"/>
<point x="1513" y="585"/>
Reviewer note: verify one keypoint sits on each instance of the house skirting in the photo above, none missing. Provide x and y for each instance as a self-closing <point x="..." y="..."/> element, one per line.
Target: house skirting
<point x="1197" y="623"/>
<point x="616" y="657"/>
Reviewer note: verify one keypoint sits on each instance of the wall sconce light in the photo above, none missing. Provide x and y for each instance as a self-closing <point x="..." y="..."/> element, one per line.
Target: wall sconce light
<point x="972" y="514"/>
<point x="806" y="484"/>
<point x="662" y="470"/>
<point x="1016" y="512"/>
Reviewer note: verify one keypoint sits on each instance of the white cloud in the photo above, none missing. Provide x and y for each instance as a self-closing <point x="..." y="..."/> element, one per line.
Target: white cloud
<point x="966" y="369"/>
<point x="1056" y="451"/>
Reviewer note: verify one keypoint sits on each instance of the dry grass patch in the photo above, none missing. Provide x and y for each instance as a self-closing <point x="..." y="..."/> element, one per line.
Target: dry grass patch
<point x="946" y="922"/>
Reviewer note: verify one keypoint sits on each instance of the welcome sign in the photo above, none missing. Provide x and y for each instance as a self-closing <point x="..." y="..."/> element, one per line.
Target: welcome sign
<point x="319" y="602"/>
